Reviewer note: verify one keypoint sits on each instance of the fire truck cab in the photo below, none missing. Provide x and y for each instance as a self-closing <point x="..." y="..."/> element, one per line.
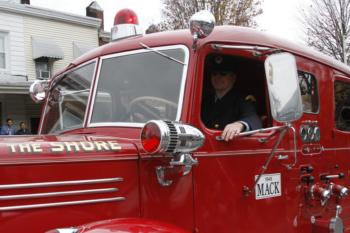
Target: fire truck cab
<point x="122" y="146"/>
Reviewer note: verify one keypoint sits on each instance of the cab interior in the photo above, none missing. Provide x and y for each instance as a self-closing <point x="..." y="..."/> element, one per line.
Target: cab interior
<point x="250" y="81"/>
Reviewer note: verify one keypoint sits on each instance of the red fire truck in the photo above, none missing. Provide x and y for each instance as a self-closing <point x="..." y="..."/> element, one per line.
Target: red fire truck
<point x="122" y="146"/>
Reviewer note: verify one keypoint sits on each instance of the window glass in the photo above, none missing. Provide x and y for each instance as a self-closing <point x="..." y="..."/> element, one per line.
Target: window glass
<point x="68" y="100"/>
<point x="2" y="51"/>
<point x="309" y="92"/>
<point x="342" y="105"/>
<point x="139" y="87"/>
<point x="2" y="61"/>
<point x="2" y="43"/>
<point x="42" y="69"/>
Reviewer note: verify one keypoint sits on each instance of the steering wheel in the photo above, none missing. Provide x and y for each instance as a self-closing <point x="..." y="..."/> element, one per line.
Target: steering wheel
<point x="146" y="108"/>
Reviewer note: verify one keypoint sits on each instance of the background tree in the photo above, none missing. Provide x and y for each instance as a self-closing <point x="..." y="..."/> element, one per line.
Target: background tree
<point x="152" y="29"/>
<point x="177" y="13"/>
<point x="327" y="25"/>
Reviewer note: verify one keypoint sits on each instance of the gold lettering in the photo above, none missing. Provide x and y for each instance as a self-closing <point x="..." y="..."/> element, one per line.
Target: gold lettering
<point x="36" y="148"/>
<point x="114" y="145"/>
<point x="12" y="147"/>
<point x="25" y="148"/>
<point x="70" y="145"/>
<point x="101" y="146"/>
<point x="87" y="146"/>
<point x="56" y="147"/>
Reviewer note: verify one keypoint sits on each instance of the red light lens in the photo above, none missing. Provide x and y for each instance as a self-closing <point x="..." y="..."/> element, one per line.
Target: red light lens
<point x="150" y="137"/>
<point x="126" y="16"/>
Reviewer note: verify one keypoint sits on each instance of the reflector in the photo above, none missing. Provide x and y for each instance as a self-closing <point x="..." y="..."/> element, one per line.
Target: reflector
<point x="126" y="16"/>
<point x="126" y="24"/>
<point x="150" y="137"/>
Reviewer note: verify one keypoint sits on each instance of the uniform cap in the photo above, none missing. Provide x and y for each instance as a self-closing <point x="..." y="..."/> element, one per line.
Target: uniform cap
<point x="222" y="63"/>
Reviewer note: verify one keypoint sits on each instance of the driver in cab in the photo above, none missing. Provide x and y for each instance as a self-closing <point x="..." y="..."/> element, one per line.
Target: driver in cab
<point x="223" y="108"/>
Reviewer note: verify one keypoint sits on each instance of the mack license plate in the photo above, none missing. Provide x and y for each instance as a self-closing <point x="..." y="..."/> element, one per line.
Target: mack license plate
<point x="268" y="186"/>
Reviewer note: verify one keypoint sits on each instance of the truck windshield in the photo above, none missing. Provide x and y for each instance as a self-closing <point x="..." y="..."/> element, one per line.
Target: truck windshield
<point x="68" y="100"/>
<point x="140" y="86"/>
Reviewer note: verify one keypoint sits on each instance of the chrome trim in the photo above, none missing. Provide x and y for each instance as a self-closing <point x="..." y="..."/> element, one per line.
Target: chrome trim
<point x="201" y="24"/>
<point x="19" y="161"/>
<point x="67" y="230"/>
<point x="92" y="89"/>
<point x="176" y="137"/>
<point x="120" y="124"/>
<point x="160" y="171"/>
<point x="185" y="160"/>
<point x="244" y="47"/>
<point x="59" y="183"/>
<point x="56" y="194"/>
<point x="56" y="204"/>
<point x="182" y="85"/>
<point x="240" y="152"/>
<point x="252" y="132"/>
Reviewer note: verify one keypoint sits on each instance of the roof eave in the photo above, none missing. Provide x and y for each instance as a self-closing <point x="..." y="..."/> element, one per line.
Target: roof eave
<point x="49" y="14"/>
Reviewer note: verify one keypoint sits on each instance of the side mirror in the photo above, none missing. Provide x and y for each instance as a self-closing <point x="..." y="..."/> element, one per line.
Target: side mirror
<point x="38" y="90"/>
<point x="283" y="86"/>
<point x="201" y="25"/>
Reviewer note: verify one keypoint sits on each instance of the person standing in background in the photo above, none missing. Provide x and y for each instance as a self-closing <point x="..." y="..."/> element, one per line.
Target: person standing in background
<point x="23" y="130"/>
<point x="9" y="128"/>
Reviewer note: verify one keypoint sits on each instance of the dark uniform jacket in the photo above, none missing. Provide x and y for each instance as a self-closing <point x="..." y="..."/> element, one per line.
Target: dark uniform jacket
<point x="217" y="113"/>
<point x="23" y="132"/>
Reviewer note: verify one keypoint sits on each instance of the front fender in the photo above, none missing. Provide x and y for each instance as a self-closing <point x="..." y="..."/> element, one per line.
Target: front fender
<point x="129" y="225"/>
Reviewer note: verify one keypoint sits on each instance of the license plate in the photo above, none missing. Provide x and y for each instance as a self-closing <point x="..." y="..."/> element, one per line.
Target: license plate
<point x="268" y="186"/>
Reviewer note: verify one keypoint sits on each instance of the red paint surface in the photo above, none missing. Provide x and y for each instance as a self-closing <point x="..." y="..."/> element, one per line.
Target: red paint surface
<point x="210" y="198"/>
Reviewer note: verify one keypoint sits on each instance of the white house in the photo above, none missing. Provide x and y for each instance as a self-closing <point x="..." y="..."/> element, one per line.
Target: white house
<point x="35" y="43"/>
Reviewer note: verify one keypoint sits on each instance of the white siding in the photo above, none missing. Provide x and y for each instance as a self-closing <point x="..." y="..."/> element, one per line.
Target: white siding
<point x="63" y="34"/>
<point x="13" y="26"/>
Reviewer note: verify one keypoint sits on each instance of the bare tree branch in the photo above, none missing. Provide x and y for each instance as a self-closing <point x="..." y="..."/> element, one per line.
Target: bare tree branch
<point x="177" y="13"/>
<point x="327" y="23"/>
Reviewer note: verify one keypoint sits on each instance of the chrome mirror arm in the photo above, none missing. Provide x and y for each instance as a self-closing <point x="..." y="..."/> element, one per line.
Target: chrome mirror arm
<point x="265" y="166"/>
<point x="248" y="133"/>
<point x="195" y="41"/>
<point x="184" y="159"/>
<point x="289" y="166"/>
<point x="283" y="130"/>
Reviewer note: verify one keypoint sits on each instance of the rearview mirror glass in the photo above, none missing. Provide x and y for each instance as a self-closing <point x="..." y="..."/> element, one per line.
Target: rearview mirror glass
<point x="202" y="23"/>
<point x="283" y="86"/>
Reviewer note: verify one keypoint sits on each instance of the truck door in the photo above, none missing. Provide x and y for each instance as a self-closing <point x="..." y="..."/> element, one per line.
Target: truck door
<point x="225" y="197"/>
<point x="147" y="84"/>
<point x="340" y="140"/>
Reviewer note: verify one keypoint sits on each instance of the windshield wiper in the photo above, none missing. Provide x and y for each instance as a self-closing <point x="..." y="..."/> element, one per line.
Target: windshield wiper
<point x="162" y="54"/>
<point x="68" y="92"/>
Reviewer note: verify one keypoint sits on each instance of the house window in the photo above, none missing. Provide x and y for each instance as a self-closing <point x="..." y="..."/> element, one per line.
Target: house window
<point x="43" y="68"/>
<point x="3" y="50"/>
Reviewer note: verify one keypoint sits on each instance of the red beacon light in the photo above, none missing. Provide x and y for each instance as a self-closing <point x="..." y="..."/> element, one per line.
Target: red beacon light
<point x="126" y="24"/>
<point x="158" y="137"/>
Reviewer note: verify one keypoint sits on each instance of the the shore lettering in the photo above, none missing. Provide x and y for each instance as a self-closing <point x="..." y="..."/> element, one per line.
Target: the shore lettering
<point x="58" y="147"/>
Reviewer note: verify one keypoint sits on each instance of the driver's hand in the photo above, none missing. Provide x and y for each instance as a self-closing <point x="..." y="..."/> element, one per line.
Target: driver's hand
<point x="232" y="130"/>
